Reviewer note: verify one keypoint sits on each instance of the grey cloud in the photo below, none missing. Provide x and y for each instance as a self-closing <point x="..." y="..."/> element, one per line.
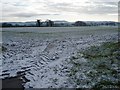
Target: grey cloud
<point x="12" y="4"/>
<point x="90" y="8"/>
<point x="30" y="15"/>
<point x="114" y="4"/>
<point x="99" y="8"/>
<point x="50" y="8"/>
<point x="61" y="4"/>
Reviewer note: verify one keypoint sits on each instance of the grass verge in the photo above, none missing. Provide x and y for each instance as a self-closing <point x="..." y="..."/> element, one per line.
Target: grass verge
<point x="101" y="67"/>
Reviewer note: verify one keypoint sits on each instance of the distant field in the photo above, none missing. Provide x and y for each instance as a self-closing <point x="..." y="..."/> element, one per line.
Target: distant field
<point x="57" y="31"/>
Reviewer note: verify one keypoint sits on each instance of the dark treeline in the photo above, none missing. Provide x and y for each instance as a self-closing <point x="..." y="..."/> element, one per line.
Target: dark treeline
<point x="16" y="25"/>
<point x="50" y="23"/>
<point x="6" y="25"/>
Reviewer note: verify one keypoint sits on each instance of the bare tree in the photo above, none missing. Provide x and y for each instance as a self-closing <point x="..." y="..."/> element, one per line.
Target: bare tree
<point x="49" y="23"/>
<point x="38" y="23"/>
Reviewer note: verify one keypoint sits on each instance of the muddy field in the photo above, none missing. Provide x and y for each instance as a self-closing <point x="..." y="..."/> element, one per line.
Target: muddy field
<point x="42" y="56"/>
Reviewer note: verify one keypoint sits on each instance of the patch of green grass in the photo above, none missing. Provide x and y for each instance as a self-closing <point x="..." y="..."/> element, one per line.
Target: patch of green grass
<point x="106" y="84"/>
<point x="75" y="68"/>
<point x="102" y="66"/>
<point x="101" y="59"/>
<point x="73" y="71"/>
<point x="108" y="49"/>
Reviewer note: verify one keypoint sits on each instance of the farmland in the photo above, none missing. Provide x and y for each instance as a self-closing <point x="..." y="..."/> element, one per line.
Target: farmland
<point x="56" y="57"/>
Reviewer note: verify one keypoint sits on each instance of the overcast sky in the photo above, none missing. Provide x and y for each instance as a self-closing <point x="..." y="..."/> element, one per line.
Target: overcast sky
<point x="70" y="10"/>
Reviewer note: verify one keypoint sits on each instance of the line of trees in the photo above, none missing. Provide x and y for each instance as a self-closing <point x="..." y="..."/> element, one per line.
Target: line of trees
<point x="80" y="23"/>
<point x="50" y="23"/>
<point x="16" y="25"/>
<point x="7" y="25"/>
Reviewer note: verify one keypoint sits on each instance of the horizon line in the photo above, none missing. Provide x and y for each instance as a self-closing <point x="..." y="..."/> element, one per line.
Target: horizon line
<point x="64" y="20"/>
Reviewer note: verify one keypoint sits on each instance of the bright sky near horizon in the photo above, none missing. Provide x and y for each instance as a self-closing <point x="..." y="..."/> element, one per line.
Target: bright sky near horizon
<point x="70" y="10"/>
